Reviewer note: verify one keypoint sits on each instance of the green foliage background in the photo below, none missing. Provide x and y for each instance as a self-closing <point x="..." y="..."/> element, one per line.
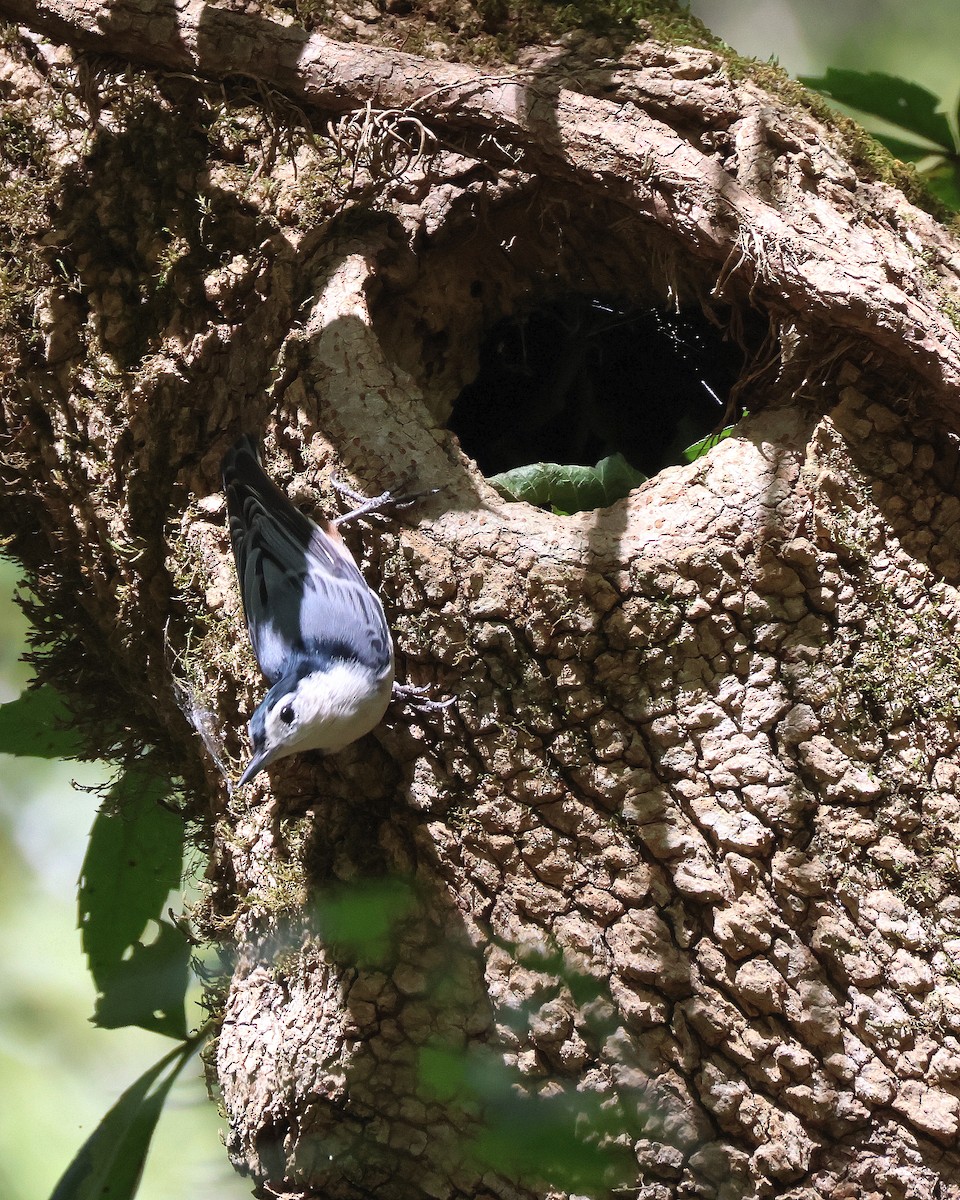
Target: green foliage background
<point x="916" y="41"/>
<point x="64" y="1072"/>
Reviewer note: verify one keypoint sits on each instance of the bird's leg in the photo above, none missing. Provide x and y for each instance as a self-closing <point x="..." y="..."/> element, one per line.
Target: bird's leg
<point x="374" y="504"/>
<point x="419" y="698"/>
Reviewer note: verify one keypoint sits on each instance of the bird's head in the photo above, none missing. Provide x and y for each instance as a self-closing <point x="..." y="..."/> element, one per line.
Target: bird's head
<point x="322" y="706"/>
<point x="276" y="728"/>
<point x="287" y="721"/>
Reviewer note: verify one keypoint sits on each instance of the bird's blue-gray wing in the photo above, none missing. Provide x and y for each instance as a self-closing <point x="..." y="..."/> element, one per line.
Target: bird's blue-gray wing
<point x="303" y="595"/>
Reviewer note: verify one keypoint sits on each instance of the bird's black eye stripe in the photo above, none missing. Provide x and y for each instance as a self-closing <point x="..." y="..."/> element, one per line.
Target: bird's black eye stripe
<point x="286" y="714"/>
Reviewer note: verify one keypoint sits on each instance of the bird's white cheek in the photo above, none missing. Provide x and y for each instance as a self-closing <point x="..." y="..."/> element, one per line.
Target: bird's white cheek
<point x="292" y="736"/>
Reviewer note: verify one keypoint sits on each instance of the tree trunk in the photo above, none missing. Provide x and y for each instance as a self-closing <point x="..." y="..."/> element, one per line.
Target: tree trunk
<point x="684" y="848"/>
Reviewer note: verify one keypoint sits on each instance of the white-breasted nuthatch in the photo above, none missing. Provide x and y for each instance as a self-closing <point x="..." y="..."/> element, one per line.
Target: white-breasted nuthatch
<point x="318" y="631"/>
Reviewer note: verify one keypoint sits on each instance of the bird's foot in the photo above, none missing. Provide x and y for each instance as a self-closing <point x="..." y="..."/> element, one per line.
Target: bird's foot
<point x="375" y="504"/>
<point x="419" y="698"/>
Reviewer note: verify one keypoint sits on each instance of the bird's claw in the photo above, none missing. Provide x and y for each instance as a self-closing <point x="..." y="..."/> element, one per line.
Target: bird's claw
<point x="419" y="698"/>
<point x="374" y="504"/>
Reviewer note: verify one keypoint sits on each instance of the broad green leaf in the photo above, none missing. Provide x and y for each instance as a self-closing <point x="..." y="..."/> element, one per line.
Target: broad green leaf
<point x="443" y="1072"/>
<point x="569" y="489"/>
<point x="38" y="725"/>
<point x="617" y="478"/>
<point x="567" y="1138"/>
<point x="905" y="151"/>
<point x="109" y="1164"/>
<point x="133" y="861"/>
<point x="360" y="918"/>
<point x="699" y="449"/>
<point x="943" y="180"/>
<point x="905" y="104"/>
<point x="148" y="987"/>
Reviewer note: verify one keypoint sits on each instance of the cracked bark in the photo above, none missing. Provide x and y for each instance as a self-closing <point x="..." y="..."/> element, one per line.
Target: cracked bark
<point x="703" y="764"/>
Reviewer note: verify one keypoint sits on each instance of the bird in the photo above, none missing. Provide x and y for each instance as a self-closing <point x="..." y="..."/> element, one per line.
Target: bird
<point x="317" y="629"/>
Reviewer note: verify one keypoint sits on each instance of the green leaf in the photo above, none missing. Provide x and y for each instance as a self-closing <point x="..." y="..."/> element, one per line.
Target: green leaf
<point x="148" y="987"/>
<point x="443" y="1072"/>
<point x="905" y="151"/>
<point x="110" y="1162"/>
<point x="360" y="918"/>
<point x="905" y="104"/>
<point x="569" y="489"/>
<point x="38" y="725"/>
<point x="567" y="1138"/>
<point x="699" y="449"/>
<point x="943" y="179"/>
<point x="133" y="861"/>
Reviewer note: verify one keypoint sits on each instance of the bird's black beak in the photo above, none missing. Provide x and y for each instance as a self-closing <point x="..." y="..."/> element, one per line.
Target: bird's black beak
<point x="261" y="759"/>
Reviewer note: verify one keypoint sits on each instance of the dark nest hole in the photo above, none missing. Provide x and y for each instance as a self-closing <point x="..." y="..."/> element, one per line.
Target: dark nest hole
<point x="578" y="379"/>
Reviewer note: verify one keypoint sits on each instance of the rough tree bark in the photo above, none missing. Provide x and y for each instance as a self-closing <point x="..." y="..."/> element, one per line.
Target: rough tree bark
<point x="687" y="840"/>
